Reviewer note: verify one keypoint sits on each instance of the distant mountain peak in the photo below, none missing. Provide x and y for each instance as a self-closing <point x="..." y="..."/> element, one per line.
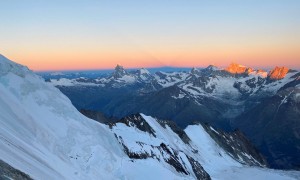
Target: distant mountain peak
<point x="143" y="71"/>
<point x="212" y="67"/>
<point x="262" y="73"/>
<point x="119" y="67"/>
<point x="119" y="71"/>
<point x="235" y="68"/>
<point x="194" y="70"/>
<point x="278" y="73"/>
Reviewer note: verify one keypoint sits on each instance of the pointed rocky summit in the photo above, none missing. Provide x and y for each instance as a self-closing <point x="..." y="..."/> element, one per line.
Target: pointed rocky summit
<point x="278" y="73"/>
<point x="119" y="72"/>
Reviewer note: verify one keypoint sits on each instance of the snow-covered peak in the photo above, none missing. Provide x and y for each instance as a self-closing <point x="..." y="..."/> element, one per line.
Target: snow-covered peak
<point x="195" y="71"/>
<point x="235" y="68"/>
<point x="262" y="73"/>
<point x="212" y="68"/>
<point x="143" y="75"/>
<point x="7" y="66"/>
<point x="143" y="71"/>
<point x="259" y="73"/>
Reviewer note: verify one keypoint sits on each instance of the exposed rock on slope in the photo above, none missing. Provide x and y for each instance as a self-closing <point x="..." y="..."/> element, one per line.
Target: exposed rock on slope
<point x="8" y="172"/>
<point x="144" y="137"/>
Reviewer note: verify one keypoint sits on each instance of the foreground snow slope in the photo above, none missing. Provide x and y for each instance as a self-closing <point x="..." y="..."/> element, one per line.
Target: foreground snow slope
<point x="43" y="135"/>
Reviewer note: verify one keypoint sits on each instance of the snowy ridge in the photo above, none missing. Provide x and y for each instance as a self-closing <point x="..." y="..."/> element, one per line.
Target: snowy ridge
<point x="7" y="66"/>
<point x="237" y="80"/>
<point x="143" y="137"/>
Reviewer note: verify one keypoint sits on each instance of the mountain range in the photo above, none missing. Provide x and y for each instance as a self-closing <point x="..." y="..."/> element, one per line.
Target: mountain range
<point x="262" y="104"/>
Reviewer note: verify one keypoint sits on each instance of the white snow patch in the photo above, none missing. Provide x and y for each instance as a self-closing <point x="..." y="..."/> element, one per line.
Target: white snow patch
<point x="127" y="79"/>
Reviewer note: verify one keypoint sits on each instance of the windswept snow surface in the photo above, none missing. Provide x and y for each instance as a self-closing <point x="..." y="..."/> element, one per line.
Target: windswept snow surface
<point x="43" y="135"/>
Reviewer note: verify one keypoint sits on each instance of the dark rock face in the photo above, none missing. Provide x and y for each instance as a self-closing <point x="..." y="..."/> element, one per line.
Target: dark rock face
<point x="173" y="159"/>
<point x="97" y="116"/>
<point x="202" y="82"/>
<point x="137" y="121"/>
<point x="175" y="129"/>
<point x="7" y="172"/>
<point x="198" y="169"/>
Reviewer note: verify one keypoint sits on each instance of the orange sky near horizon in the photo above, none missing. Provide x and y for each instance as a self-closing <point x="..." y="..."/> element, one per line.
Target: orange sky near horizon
<point x="66" y="59"/>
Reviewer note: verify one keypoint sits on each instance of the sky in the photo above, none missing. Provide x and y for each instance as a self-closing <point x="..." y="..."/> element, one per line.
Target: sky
<point x="98" y="34"/>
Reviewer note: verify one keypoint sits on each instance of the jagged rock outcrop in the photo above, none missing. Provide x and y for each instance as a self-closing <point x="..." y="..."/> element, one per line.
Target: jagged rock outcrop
<point x="237" y="146"/>
<point x="278" y="73"/>
<point x="146" y="138"/>
<point x="164" y="141"/>
<point x="7" y="172"/>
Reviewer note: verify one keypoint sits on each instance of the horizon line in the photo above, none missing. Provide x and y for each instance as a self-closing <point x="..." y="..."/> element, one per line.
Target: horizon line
<point x="155" y="67"/>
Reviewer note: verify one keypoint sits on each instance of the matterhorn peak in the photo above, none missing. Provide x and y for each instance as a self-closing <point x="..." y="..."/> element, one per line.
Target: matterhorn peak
<point x="278" y="73"/>
<point x="119" y="68"/>
<point x="119" y="71"/>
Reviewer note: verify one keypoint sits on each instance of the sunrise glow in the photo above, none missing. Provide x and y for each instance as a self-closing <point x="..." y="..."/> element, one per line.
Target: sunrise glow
<point x="66" y="35"/>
